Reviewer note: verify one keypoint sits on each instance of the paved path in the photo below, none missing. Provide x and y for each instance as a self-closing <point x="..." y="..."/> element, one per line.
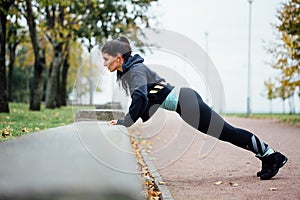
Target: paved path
<point x="197" y="167"/>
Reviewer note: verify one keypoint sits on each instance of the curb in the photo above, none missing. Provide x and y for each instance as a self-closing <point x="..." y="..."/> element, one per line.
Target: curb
<point x="165" y="192"/>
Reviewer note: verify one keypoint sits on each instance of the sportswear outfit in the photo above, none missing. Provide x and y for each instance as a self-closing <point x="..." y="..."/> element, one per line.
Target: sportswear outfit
<point x="149" y="92"/>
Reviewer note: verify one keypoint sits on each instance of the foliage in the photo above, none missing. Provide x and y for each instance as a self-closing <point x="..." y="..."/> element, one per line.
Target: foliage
<point x="270" y="86"/>
<point x="55" y="29"/>
<point x="16" y="34"/>
<point x="286" y="52"/>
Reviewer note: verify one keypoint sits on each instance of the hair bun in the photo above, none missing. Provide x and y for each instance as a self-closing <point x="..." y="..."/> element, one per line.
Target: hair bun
<point x="123" y="39"/>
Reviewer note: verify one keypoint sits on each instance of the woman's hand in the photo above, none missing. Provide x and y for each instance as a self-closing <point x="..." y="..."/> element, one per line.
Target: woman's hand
<point x="113" y="122"/>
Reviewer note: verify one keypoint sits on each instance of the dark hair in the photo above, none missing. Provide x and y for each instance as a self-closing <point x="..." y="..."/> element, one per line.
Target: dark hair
<point x="121" y="46"/>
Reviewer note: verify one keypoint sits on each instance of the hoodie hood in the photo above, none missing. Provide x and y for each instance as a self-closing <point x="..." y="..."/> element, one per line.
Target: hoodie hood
<point x="132" y="60"/>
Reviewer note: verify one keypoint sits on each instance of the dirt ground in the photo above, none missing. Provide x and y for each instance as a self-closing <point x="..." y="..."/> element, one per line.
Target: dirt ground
<point x="195" y="166"/>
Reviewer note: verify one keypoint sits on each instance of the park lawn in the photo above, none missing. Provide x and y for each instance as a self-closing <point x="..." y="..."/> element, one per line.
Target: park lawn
<point x="291" y="119"/>
<point x="22" y="121"/>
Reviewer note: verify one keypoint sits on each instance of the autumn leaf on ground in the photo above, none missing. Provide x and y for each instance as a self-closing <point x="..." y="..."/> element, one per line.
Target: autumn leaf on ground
<point x="232" y="184"/>
<point x="273" y="189"/>
<point x="6" y="132"/>
<point x="218" y="182"/>
<point x="151" y="189"/>
<point x="25" y="130"/>
<point x="162" y="183"/>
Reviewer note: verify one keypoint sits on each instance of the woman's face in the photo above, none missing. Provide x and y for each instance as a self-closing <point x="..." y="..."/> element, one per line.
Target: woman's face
<point x="112" y="63"/>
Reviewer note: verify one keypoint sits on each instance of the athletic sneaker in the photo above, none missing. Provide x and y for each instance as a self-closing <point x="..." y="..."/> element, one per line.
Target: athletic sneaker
<point x="271" y="165"/>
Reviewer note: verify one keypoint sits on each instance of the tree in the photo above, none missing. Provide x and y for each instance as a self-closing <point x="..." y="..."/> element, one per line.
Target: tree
<point x="55" y="14"/>
<point x="94" y="20"/>
<point x="286" y="52"/>
<point x="39" y="55"/>
<point x="23" y="70"/>
<point x="15" y="35"/>
<point x="271" y="93"/>
<point x="61" y="24"/>
<point x="290" y="29"/>
<point x="116" y="17"/>
<point x="4" y="7"/>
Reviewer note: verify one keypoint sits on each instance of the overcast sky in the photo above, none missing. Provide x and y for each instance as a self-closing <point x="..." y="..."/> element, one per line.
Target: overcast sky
<point x="226" y="23"/>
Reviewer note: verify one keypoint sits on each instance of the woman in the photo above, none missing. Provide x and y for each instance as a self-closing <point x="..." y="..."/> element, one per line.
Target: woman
<point x="149" y="92"/>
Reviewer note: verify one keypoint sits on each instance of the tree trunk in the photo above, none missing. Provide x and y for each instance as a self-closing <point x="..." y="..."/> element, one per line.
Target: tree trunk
<point x="271" y="106"/>
<point x="28" y="75"/>
<point x="64" y="79"/>
<point x="39" y="54"/>
<point x="12" y="56"/>
<point x="37" y="85"/>
<point x="292" y="104"/>
<point x="52" y="83"/>
<point x="58" y="93"/>
<point x="3" y="90"/>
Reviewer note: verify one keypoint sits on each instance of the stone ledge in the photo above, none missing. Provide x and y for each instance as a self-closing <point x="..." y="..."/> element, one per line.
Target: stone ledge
<point x="109" y="105"/>
<point x="98" y="114"/>
<point x="84" y="160"/>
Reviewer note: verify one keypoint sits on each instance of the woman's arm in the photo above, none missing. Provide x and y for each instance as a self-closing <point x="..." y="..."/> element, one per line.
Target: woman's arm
<point x="139" y="99"/>
<point x="136" y="109"/>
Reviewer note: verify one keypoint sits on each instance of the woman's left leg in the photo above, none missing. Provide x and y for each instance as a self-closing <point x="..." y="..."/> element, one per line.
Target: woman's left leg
<point x="199" y="115"/>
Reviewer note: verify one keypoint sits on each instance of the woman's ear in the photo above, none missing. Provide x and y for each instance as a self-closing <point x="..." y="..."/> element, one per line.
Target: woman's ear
<point x="120" y="60"/>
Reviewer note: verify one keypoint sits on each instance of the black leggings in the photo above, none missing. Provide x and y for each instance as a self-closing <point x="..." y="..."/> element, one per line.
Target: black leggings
<point x="199" y="115"/>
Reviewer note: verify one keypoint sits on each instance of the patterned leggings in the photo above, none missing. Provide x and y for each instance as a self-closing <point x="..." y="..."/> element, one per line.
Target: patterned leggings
<point x="200" y="116"/>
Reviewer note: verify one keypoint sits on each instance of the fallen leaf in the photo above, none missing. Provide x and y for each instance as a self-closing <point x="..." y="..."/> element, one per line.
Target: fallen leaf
<point x="233" y="184"/>
<point x="273" y="189"/>
<point x="151" y="188"/>
<point x="153" y="193"/>
<point x="6" y="132"/>
<point x="25" y="130"/>
<point x="162" y="183"/>
<point x="148" y="179"/>
<point x="149" y="143"/>
<point x="218" y="182"/>
<point x="154" y="198"/>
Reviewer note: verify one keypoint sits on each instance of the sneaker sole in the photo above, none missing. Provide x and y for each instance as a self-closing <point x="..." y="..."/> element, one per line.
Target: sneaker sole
<point x="275" y="172"/>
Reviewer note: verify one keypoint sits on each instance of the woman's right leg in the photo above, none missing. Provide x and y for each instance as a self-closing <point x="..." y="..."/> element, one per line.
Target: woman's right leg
<point x="199" y="115"/>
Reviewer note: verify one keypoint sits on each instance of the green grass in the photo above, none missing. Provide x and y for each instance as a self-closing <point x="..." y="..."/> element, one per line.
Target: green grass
<point x="293" y="120"/>
<point x="22" y="121"/>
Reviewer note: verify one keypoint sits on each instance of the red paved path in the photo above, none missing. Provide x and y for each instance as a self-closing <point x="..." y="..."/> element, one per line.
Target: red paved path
<point x="193" y="175"/>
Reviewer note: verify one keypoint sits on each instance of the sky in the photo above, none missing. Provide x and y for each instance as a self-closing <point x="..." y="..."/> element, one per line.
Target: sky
<point x="221" y="28"/>
<point x="227" y="25"/>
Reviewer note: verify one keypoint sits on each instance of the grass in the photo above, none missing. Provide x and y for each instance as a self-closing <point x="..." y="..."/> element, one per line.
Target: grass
<point x="293" y="119"/>
<point x="22" y="121"/>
